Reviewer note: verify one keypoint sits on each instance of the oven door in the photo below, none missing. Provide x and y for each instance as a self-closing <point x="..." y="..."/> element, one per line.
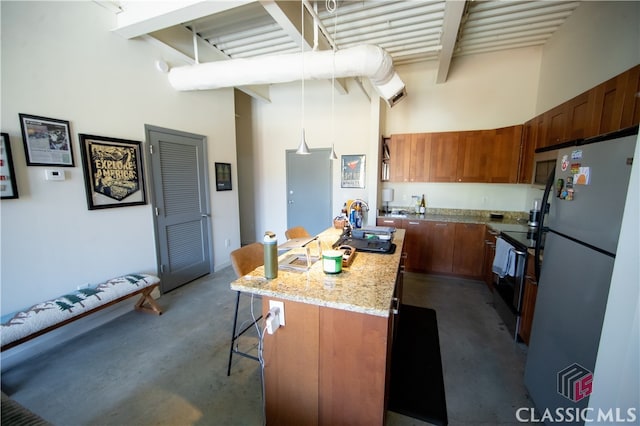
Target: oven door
<point x="509" y="291"/>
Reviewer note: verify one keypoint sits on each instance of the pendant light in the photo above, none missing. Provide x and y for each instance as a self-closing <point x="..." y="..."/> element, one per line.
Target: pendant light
<point x="333" y="155"/>
<point x="331" y="7"/>
<point x="303" y="148"/>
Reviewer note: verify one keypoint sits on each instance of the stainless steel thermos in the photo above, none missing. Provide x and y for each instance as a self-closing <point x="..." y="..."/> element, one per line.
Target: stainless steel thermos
<point x="270" y="255"/>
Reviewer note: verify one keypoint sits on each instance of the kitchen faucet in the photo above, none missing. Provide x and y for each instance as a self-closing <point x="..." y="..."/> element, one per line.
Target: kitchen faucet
<point x="364" y="204"/>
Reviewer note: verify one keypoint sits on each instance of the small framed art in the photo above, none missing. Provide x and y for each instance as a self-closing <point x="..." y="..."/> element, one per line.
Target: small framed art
<point x="353" y="171"/>
<point x="112" y="172"/>
<point x="8" y="186"/>
<point x="223" y="177"/>
<point x="47" y="141"/>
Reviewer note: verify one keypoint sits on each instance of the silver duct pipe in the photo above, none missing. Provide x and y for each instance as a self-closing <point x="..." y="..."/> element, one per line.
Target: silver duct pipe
<point x="368" y="61"/>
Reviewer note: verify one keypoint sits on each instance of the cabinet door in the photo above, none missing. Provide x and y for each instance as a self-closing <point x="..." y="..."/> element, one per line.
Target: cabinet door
<point x="385" y="221"/>
<point x="556" y="121"/>
<point x="541" y="131"/>
<point x="631" y="106"/>
<point x="440" y="240"/>
<point x="580" y="116"/>
<point x="444" y="157"/>
<point x="609" y="99"/>
<point x="504" y="155"/>
<point x="473" y="152"/>
<point x="527" y="152"/>
<point x="420" y="157"/>
<point x="415" y="244"/>
<point x="469" y="249"/>
<point x="399" y="157"/>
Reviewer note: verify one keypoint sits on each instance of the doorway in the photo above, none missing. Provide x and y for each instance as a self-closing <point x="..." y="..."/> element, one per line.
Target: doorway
<point x="179" y="183"/>
<point x="309" y="195"/>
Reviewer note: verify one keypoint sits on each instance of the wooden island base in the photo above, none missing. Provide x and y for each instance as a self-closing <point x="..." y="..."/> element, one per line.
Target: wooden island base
<point x="326" y="366"/>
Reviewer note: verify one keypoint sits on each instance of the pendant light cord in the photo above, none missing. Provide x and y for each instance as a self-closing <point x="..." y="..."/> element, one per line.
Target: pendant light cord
<point x="302" y="56"/>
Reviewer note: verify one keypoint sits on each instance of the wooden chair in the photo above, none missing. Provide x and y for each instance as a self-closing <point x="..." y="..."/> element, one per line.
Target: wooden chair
<point x="296" y="232"/>
<point x="244" y="260"/>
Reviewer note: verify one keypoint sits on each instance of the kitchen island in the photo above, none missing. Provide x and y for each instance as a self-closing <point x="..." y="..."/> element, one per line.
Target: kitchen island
<point x="329" y="363"/>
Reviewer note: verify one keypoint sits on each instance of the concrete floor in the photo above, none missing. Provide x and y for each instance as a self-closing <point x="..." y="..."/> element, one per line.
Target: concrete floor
<point x="171" y="370"/>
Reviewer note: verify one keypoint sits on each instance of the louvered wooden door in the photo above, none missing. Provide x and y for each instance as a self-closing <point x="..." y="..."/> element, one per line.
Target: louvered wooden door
<point x="181" y="206"/>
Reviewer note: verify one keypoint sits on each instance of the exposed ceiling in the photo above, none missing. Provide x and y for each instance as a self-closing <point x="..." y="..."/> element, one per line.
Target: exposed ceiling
<point x="410" y="31"/>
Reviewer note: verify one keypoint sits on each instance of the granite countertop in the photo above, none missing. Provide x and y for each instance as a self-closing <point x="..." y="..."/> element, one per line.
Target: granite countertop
<point x="366" y="286"/>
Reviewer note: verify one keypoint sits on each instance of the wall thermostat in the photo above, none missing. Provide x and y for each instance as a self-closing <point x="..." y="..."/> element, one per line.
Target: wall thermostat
<point x="54" y="174"/>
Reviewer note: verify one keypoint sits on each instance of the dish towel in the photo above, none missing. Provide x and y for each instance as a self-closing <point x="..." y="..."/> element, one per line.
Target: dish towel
<point x="504" y="262"/>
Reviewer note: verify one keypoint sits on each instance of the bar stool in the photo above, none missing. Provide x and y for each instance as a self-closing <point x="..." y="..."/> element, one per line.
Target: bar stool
<point x="296" y="232"/>
<point x="244" y="260"/>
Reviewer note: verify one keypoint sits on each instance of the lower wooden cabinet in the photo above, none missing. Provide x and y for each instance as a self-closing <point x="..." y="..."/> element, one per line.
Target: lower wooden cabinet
<point x="415" y="244"/>
<point x="439" y="250"/>
<point x="468" y="250"/>
<point x="452" y="248"/>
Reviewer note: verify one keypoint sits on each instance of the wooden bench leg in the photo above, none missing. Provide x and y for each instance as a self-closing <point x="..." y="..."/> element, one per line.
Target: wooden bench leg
<point x="151" y="305"/>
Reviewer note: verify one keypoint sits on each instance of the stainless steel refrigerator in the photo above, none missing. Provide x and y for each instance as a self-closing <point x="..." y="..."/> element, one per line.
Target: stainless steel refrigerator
<point x="587" y="194"/>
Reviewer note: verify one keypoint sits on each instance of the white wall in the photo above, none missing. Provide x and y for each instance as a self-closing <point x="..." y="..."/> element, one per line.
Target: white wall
<point x="616" y="382"/>
<point x="60" y="60"/>
<point x="277" y="128"/>
<point x="598" y="41"/>
<point x="482" y="92"/>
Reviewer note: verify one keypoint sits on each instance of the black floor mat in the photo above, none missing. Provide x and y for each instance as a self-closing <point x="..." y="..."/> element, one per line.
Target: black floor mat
<point x="417" y="385"/>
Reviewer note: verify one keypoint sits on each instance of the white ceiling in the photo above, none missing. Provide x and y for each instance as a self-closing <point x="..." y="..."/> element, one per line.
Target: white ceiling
<point x="410" y="31"/>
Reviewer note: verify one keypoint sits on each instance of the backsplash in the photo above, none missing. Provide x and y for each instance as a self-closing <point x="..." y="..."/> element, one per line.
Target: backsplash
<point x="508" y="215"/>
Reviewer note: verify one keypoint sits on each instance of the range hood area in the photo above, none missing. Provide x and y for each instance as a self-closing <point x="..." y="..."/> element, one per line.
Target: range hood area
<point x="369" y="61"/>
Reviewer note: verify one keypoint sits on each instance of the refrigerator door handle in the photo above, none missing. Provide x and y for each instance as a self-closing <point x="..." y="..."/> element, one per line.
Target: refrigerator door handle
<point x="541" y="227"/>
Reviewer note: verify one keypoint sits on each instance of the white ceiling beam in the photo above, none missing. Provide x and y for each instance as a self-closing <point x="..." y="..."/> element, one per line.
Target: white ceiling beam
<point x="452" y="17"/>
<point x="142" y="17"/>
<point x="288" y="15"/>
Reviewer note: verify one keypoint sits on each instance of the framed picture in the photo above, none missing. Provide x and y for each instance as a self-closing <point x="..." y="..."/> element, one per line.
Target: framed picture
<point x="47" y="141"/>
<point x="8" y="185"/>
<point x="223" y="177"/>
<point x="113" y="172"/>
<point x="353" y="171"/>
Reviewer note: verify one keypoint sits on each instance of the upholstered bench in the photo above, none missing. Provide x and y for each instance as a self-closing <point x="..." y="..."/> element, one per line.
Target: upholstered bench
<point x="21" y="326"/>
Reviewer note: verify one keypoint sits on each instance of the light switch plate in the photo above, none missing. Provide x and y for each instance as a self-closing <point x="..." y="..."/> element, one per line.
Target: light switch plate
<point x="54" y="174"/>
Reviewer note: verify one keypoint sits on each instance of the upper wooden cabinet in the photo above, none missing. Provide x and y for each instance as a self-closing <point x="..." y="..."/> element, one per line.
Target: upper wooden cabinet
<point x="409" y="157"/>
<point x="420" y="163"/>
<point x="529" y="131"/>
<point x="474" y="148"/>
<point x="631" y="106"/>
<point x="504" y="155"/>
<point x="444" y="157"/>
<point x="468" y="156"/>
<point x="610" y="106"/>
<point x="399" y="156"/>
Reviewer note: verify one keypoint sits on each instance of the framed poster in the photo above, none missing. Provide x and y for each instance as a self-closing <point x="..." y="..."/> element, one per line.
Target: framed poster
<point x="47" y="141"/>
<point x="8" y="185"/>
<point x="223" y="177"/>
<point x="113" y="172"/>
<point x="353" y="172"/>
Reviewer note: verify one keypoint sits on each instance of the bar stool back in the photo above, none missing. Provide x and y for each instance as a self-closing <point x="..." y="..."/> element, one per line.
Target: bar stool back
<point x="244" y="260"/>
